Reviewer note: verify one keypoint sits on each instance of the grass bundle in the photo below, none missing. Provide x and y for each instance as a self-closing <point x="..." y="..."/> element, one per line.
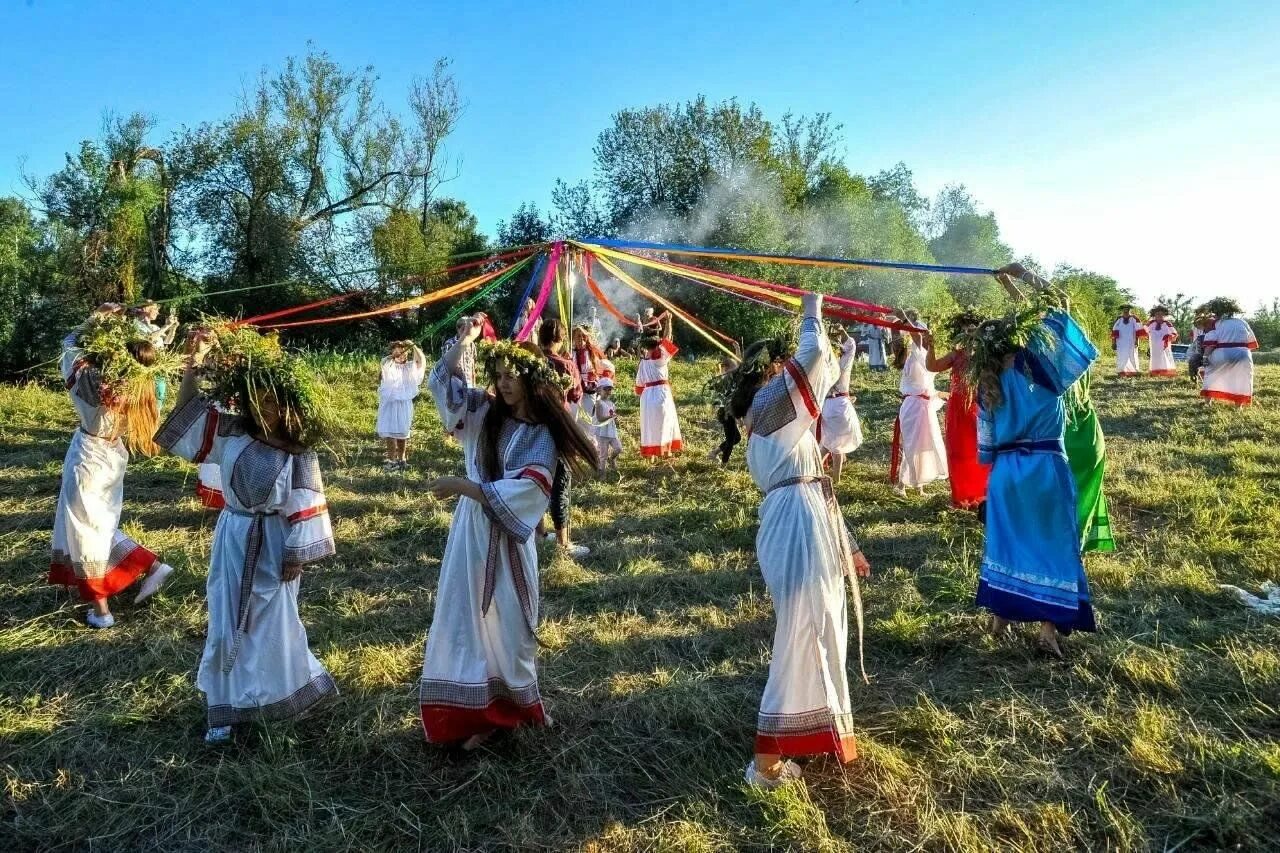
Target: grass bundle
<point x="105" y="340"/>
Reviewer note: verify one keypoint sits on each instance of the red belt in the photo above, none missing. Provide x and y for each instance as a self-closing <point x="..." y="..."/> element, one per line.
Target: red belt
<point x="654" y="384"/>
<point x="921" y="396"/>
<point x="1216" y="345"/>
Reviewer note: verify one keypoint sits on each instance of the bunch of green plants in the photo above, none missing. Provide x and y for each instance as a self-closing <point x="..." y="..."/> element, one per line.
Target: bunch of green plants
<point x="105" y="339"/>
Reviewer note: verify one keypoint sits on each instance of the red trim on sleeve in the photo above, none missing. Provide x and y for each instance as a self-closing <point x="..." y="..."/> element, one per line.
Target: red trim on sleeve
<point x="537" y="477"/>
<point x="802" y="385"/>
<point x="75" y="372"/>
<point x="309" y="512"/>
<point x="210" y="431"/>
<point x="1115" y="336"/>
<point x="668" y="347"/>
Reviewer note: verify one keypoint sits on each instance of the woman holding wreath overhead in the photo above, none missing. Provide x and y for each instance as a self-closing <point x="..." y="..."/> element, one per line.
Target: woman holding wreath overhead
<point x="479" y="670"/>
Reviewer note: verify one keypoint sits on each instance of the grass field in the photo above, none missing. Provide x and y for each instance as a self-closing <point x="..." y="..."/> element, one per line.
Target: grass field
<point x="1160" y="732"/>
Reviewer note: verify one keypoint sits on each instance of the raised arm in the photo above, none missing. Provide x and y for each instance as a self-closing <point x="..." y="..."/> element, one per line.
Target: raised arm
<point x="931" y="361"/>
<point x="198" y="344"/>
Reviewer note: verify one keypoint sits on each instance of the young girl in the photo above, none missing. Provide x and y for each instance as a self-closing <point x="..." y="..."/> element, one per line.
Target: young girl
<point x="838" y="429"/>
<point x="1162" y="335"/>
<point x="659" y="425"/>
<point x="1125" y="332"/>
<point x="1228" y="356"/>
<point x="256" y="664"/>
<point x="805" y="552"/>
<point x="918" y="453"/>
<point x="90" y="552"/>
<point x="1031" y="568"/>
<point x="479" y="670"/>
<point x="719" y="388"/>
<point x="553" y="339"/>
<point x="402" y="373"/>
<point x="606" y="419"/>
<point x="968" y="475"/>
<point x="586" y="356"/>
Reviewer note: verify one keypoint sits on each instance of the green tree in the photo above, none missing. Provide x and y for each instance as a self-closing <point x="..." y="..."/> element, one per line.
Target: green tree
<point x="525" y="227"/>
<point x="1182" y="311"/>
<point x="1095" y="299"/>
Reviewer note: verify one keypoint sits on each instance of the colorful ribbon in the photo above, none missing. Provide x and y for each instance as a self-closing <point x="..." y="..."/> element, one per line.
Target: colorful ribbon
<point x="498" y="282"/>
<point x="548" y="279"/>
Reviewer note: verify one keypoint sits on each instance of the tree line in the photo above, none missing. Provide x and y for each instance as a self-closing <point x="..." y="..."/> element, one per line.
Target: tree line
<point x="314" y="186"/>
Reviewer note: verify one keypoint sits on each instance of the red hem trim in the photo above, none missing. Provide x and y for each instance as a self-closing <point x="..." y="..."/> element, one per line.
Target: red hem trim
<point x="210" y="497"/>
<point x="309" y="512"/>
<point x="1238" y="399"/>
<point x="659" y="449"/>
<point x="128" y="570"/>
<point x="448" y="723"/>
<point x="818" y="743"/>
<point x="1164" y="373"/>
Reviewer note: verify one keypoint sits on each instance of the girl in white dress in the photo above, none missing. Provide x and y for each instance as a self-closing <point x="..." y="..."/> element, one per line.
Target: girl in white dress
<point x="659" y="425"/>
<point x="479" y="670"/>
<point x="838" y="429"/>
<point x="89" y="552"/>
<point x="919" y="456"/>
<point x="256" y="663"/>
<point x="1125" y="332"/>
<point x="402" y="373"/>
<point x="1162" y="335"/>
<point x="805" y="552"/>
<point x="606" y="425"/>
<point x="1228" y="356"/>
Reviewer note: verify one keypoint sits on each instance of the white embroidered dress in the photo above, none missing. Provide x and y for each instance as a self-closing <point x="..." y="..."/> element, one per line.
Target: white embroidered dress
<point x="804" y="550"/>
<point x="256" y="662"/>
<point x="1228" y="361"/>
<point x="659" y="424"/>
<point x="479" y="670"/>
<point x="1162" y="335"/>
<point x="1125" y="333"/>
<point x="399" y="387"/>
<point x="89" y="551"/>
<point x="838" y="429"/>
<point x="919" y="454"/>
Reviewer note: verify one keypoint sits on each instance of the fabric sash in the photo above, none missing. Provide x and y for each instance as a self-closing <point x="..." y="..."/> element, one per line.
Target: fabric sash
<point x="1230" y="345"/>
<point x="1044" y="445"/>
<point x="252" y="551"/>
<point x="844" y="541"/>
<point x="497" y="538"/>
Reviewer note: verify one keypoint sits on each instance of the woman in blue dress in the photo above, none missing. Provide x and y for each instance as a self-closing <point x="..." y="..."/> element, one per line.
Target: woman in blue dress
<point x="1031" y="570"/>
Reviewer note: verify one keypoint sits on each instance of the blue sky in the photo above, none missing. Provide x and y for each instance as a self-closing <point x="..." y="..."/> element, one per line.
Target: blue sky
<point x="1140" y="139"/>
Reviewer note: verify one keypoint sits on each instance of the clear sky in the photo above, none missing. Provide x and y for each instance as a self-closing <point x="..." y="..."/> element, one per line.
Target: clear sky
<point x="1140" y="139"/>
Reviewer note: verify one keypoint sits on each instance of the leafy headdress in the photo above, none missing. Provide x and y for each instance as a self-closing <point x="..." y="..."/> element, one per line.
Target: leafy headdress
<point x="524" y="359"/>
<point x="105" y="339"/>
<point x="997" y="338"/>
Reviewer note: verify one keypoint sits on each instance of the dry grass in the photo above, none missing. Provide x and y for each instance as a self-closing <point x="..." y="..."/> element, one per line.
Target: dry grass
<point x="1160" y="732"/>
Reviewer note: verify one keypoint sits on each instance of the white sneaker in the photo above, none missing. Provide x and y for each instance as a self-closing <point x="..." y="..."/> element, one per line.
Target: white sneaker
<point x="218" y="735"/>
<point x="96" y="621"/>
<point x="577" y="551"/>
<point x="789" y="772"/>
<point x="151" y="583"/>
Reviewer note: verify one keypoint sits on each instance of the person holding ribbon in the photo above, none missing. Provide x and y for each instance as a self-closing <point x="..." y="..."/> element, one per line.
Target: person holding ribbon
<point x="402" y="371"/>
<point x="1228" y="355"/>
<point x="917" y="454"/>
<point x="1032" y="569"/>
<point x="479" y="670"/>
<point x="838" y="429"/>
<point x="659" y="424"/>
<point x="275" y="520"/>
<point x="968" y="476"/>
<point x="805" y="552"/>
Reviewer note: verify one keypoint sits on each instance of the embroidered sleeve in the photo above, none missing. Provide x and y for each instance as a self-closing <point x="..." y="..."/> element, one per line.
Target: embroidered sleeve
<point x="196" y="431"/>
<point x="307" y="514"/>
<point x="516" y="504"/>
<point x="817" y="366"/>
<point x="461" y="407"/>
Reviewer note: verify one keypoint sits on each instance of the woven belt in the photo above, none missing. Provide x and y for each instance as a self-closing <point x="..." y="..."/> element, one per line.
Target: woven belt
<point x="1046" y="445"/>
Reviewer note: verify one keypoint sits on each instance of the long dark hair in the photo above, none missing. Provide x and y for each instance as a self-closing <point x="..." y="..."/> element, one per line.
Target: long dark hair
<point x="546" y="407"/>
<point x="754" y="371"/>
<point x="552" y="331"/>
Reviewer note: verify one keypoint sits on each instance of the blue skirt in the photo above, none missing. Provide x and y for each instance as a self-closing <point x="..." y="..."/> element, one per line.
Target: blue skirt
<point x="1032" y="570"/>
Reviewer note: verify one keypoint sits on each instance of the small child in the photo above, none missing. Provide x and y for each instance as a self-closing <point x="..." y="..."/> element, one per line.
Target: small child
<point x="732" y="435"/>
<point x="401" y="379"/>
<point x="606" y="419"/>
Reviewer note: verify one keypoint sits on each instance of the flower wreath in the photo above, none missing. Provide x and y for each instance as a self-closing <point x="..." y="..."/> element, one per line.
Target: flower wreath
<point x="524" y="360"/>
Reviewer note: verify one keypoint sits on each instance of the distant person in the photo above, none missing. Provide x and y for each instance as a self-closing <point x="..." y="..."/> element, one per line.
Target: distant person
<point x="467" y="354"/>
<point x="720" y="387"/>
<point x="90" y="552"/>
<point x="553" y="338"/>
<point x="1195" y="352"/>
<point x="838" y="429"/>
<point x="1125" y="332"/>
<point x="479" y="668"/>
<point x="587" y="356"/>
<point x="606" y="426"/>
<point x="522" y="319"/>
<point x="1228" y="356"/>
<point x="659" y="424"/>
<point x="1162" y="335"/>
<point x="614" y="349"/>
<point x="595" y="326"/>
<point x="648" y="324"/>
<point x="805" y="553"/>
<point x="968" y="475"/>
<point x="876" y="340"/>
<point x="402" y="372"/>
<point x="917" y="454"/>
<point x="161" y="337"/>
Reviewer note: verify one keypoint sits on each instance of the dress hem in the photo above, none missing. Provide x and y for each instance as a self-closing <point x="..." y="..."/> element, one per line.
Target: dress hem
<point x="119" y="577"/>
